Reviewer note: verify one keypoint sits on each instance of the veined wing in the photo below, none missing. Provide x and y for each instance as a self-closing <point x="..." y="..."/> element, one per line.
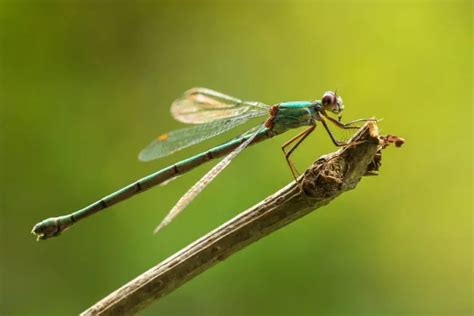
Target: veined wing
<point x="173" y="141"/>
<point x="201" y="105"/>
<point x="204" y="181"/>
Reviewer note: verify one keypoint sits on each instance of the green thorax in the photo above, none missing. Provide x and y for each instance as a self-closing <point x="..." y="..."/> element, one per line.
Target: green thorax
<point x="295" y="114"/>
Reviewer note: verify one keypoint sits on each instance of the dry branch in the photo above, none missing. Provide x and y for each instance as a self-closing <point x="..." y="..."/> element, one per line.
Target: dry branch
<point x="328" y="177"/>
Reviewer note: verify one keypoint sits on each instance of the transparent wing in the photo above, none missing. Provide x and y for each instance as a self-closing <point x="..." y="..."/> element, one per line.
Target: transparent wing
<point x="201" y="105"/>
<point x="173" y="141"/>
<point x="204" y="182"/>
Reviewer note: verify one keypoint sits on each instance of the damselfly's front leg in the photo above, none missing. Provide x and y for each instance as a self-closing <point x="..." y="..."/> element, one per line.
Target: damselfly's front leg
<point x="334" y="140"/>
<point x="348" y="125"/>
<point x="298" y="139"/>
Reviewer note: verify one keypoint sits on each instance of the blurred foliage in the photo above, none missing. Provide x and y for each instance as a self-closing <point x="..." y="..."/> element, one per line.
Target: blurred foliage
<point x="85" y="85"/>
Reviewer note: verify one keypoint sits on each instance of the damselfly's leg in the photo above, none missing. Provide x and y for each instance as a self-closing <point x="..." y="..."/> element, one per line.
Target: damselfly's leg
<point x="361" y="120"/>
<point x="334" y="140"/>
<point x="299" y="139"/>
<point x="348" y="125"/>
<point x="288" y="161"/>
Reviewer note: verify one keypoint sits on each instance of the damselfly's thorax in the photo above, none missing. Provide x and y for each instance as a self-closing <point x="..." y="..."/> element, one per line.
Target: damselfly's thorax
<point x="288" y="115"/>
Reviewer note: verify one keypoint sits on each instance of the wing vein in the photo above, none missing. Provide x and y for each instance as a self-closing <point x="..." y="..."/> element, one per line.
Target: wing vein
<point x="197" y="188"/>
<point x="174" y="141"/>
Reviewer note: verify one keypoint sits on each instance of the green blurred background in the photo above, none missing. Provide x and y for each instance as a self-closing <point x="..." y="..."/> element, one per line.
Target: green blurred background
<point x="85" y="86"/>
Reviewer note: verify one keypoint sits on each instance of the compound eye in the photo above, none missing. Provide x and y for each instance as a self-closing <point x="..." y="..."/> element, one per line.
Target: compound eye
<point x="328" y="98"/>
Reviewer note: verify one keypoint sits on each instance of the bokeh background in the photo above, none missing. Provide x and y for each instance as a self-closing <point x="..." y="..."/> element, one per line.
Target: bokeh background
<point x="84" y="86"/>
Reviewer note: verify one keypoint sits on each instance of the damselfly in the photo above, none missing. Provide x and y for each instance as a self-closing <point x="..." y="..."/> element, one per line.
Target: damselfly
<point x="213" y="113"/>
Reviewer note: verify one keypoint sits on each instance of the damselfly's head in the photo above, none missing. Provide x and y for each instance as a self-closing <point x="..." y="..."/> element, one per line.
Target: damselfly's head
<point x="331" y="102"/>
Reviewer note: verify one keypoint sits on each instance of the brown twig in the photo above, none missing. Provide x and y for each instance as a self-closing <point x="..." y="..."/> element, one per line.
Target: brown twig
<point x="328" y="177"/>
